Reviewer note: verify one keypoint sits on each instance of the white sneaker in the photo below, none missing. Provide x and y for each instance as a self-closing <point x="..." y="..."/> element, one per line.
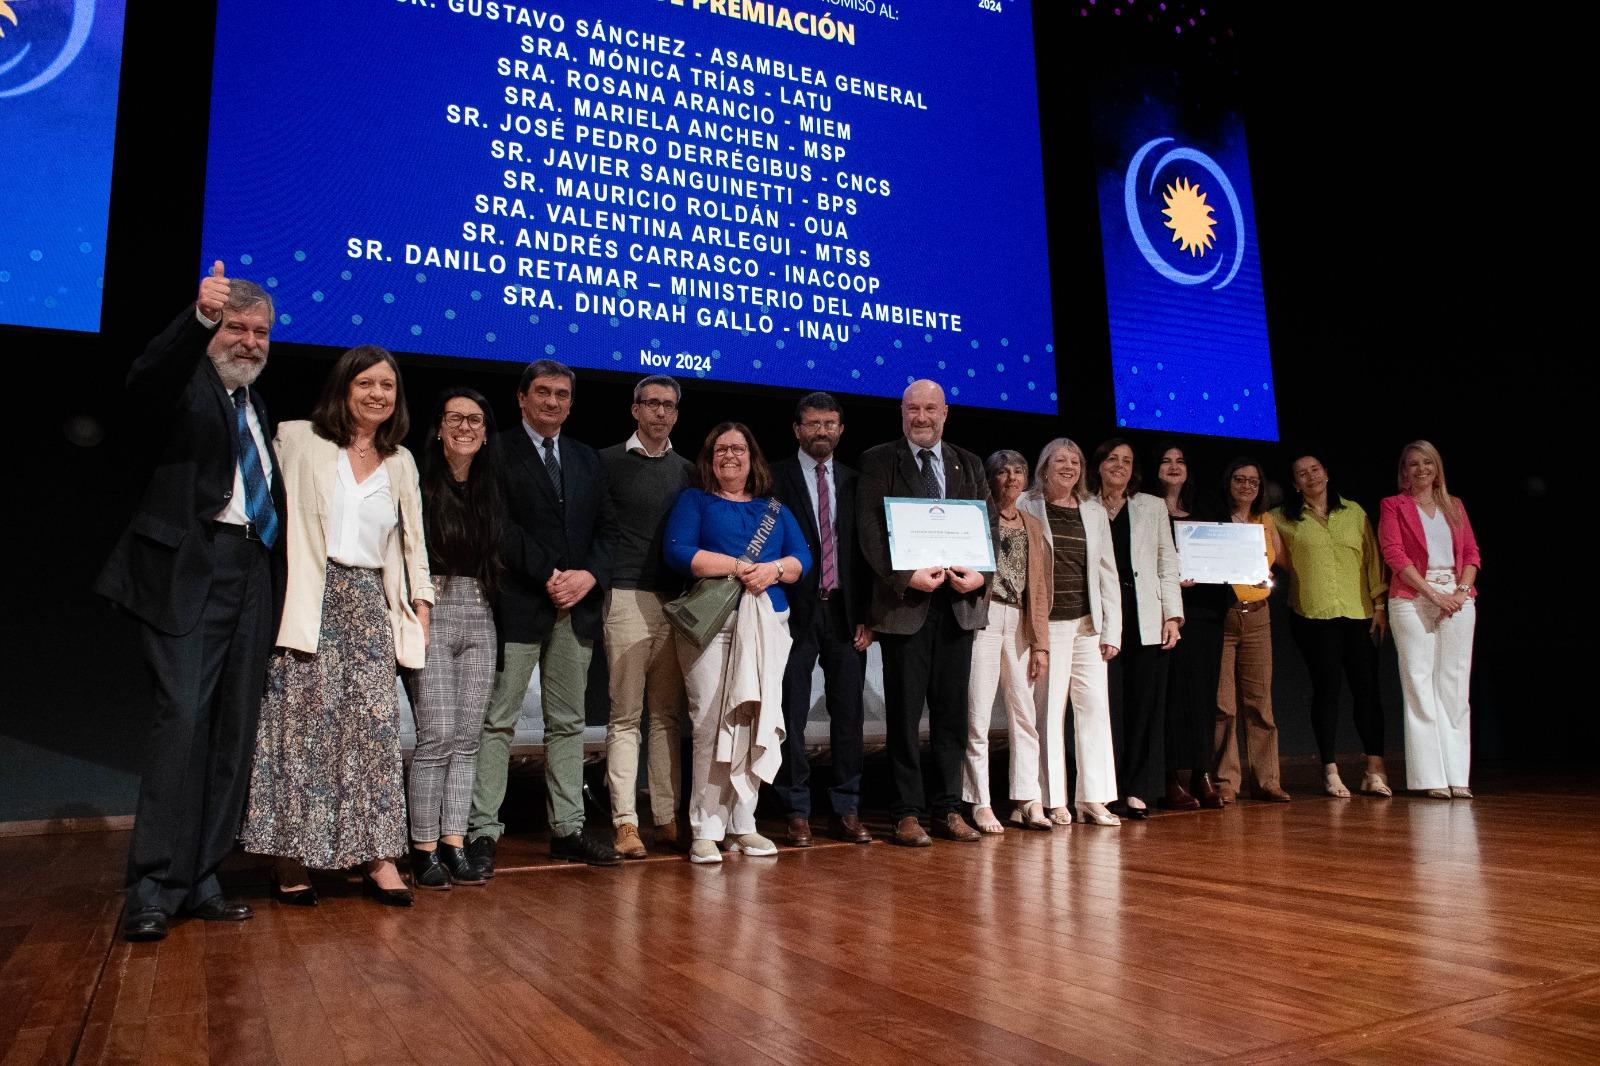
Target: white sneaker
<point x="705" y="851"/>
<point x="754" y="844"/>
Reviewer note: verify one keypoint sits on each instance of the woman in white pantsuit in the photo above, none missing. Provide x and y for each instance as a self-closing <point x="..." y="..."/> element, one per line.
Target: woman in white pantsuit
<point x="1085" y="623"/>
<point x="1428" y="543"/>
<point x="1011" y="652"/>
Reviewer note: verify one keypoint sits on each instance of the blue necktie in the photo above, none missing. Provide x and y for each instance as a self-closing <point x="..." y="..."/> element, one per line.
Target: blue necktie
<point x="257" y="497"/>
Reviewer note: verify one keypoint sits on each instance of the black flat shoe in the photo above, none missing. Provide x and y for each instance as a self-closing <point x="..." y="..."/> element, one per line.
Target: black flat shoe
<point x="389" y="897"/>
<point x="481" y="851"/>
<point x="427" y="871"/>
<point x="294" y="897"/>
<point x="462" y="870"/>
<point x="221" y="909"/>
<point x="147" y="923"/>
<point x="1122" y="810"/>
<point x="581" y="847"/>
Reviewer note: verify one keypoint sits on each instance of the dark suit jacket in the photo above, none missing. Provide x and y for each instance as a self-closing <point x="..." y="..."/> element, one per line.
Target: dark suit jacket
<point x="543" y="535"/>
<point x="789" y="485"/>
<point x="890" y="470"/>
<point x="161" y="567"/>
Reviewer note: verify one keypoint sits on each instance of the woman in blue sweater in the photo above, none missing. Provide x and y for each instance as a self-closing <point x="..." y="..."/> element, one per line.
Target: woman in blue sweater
<point x="735" y="683"/>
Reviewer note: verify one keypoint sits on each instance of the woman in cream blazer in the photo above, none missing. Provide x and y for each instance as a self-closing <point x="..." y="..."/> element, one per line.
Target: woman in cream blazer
<point x="1085" y="631"/>
<point x="326" y="787"/>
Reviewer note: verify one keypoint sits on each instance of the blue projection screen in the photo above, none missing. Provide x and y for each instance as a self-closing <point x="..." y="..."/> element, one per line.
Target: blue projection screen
<point x="1187" y="317"/>
<point x="810" y="195"/>
<point x="59" y="65"/>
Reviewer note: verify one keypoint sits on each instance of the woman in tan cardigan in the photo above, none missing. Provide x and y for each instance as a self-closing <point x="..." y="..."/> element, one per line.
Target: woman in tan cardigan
<point x="1011" y="653"/>
<point x="326" y="788"/>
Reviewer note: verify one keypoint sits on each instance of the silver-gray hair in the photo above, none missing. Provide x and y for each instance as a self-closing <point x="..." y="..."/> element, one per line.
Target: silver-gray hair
<point x="661" y="380"/>
<point x="243" y="294"/>
<point x="1001" y="459"/>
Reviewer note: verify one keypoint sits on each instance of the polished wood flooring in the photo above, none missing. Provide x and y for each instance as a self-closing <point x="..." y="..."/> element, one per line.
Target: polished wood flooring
<point x="1356" y="931"/>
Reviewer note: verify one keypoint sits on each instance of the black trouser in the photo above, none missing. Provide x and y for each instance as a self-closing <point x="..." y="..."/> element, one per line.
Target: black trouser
<point x="208" y="685"/>
<point x="826" y="637"/>
<point x="1331" y="646"/>
<point x="931" y="665"/>
<point x="1192" y="695"/>
<point x="1138" y="682"/>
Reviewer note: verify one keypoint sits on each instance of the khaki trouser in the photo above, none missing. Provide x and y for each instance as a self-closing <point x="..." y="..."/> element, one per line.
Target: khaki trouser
<point x="644" y="672"/>
<point x="1245" y="687"/>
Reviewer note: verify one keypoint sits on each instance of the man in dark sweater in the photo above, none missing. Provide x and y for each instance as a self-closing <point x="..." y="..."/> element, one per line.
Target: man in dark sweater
<point x="645" y="476"/>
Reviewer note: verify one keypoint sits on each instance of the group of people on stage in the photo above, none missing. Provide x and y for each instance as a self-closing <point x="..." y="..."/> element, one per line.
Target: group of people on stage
<point x="279" y="587"/>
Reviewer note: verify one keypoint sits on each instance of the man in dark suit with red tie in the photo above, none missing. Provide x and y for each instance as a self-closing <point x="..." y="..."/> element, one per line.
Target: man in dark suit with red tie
<point x="924" y="619"/>
<point x="201" y="567"/>
<point x="827" y="620"/>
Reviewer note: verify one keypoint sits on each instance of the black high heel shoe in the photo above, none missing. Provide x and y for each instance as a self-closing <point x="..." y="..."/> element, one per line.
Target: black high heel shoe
<point x="389" y="897"/>
<point x="295" y="897"/>
<point x="1121" y="809"/>
<point x="462" y="870"/>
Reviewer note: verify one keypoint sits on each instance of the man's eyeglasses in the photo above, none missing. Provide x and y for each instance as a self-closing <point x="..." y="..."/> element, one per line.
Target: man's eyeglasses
<point x="668" y="406"/>
<point x="830" y="426"/>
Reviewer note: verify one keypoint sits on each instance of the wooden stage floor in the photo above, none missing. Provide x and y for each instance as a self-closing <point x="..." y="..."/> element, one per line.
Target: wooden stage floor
<point x="1355" y="931"/>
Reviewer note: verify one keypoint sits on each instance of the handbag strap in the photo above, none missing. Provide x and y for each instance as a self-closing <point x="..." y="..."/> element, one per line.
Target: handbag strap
<point x="769" y="521"/>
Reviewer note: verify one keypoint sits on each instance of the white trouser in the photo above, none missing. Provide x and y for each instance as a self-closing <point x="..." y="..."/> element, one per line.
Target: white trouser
<point x="1435" y="665"/>
<point x="1000" y="662"/>
<point x="1076" y="671"/>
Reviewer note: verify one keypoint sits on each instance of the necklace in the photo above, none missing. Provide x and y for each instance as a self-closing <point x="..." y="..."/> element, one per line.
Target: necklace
<point x="1012" y="517"/>
<point x="363" y="452"/>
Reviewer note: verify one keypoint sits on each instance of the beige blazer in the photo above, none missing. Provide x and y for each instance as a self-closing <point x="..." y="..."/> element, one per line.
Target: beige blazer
<point x="1155" y="565"/>
<point x="1105" y="589"/>
<point x="308" y="464"/>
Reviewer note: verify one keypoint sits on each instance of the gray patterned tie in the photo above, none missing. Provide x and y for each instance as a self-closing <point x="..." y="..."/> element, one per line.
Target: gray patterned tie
<point x="552" y="466"/>
<point x="930" y="480"/>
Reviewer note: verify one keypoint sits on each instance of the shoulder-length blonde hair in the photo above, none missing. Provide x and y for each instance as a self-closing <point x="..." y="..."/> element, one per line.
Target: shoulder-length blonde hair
<point x="1081" y="489"/>
<point x="1441" y="495"/>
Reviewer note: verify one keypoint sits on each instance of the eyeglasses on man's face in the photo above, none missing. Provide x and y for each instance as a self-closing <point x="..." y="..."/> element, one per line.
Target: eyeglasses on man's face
<point x="668" y="406"/>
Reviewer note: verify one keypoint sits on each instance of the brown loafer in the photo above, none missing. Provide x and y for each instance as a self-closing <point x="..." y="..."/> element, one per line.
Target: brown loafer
<point x="954" y="827"/>
<point x="1177" y="797"/>
<point x="799" y="832"/>
<point x="1226" y="796"/>
<point x="848" y="828"/>
<point x="1201" y="788"/>
<point x="908" y="833"/>
<point x="1270" y="793"/>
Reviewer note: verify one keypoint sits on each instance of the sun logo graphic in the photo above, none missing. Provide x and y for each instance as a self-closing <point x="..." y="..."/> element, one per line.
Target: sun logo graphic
<point x="24" y="68"/>
<point x="1189" y="217"/>
<point x="1189" y="214"/>
<point x="9" y="13"/>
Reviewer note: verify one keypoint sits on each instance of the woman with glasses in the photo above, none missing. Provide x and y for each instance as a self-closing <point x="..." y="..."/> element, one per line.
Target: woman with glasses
<point x="1338" y="615"/>
<point x="1245" y="685"/>
<point x="463" y="517"/>
<point x="731" y="527"/>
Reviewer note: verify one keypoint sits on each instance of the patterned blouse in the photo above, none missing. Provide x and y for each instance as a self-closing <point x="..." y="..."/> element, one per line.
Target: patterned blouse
<point x="1011" y="566"/>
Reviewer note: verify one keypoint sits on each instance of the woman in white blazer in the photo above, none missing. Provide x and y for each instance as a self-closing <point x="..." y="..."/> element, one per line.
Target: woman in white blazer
<point x="326" y="786"/>
<point x="1152" y="613"/>
<point x="1085" y="631"/>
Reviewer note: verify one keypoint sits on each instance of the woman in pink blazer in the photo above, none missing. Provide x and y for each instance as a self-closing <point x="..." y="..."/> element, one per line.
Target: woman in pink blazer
<point x="1428" y="543"/>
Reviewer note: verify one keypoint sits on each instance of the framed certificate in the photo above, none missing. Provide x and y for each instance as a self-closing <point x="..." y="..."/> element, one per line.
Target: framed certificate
<point x="1223" y="553"/>
<point x="938" y="533"/>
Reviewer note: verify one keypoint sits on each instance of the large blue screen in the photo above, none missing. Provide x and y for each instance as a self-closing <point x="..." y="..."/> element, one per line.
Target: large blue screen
<point x="1187" y="318"/>
<point x="59" y="65"/>
<point x="826" y="195"/>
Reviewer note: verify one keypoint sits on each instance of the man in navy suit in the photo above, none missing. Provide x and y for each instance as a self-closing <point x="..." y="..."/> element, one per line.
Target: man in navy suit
<point x="201" y="567"/>
<point x="557" y="554"/>
<point x="827" y="619"/>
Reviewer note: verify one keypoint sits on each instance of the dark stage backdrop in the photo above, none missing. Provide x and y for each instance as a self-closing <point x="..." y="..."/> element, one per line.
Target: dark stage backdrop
<point x="1414" y="268"/>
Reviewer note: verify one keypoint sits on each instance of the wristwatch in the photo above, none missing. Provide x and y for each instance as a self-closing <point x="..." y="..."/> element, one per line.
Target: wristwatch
<point x="779" y="565"/>
<point x="1464" y="588"/>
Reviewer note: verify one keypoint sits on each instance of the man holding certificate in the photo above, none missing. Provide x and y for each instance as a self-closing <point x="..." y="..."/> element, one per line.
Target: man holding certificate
<point x="925" y="615"/>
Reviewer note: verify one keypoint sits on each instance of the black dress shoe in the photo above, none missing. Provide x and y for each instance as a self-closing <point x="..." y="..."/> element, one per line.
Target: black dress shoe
<point x="481" y="851"/>
<point x="221" y="909"/>
<point x="146" y="923"/>
<point x="389" y="897"/>
<point x="463" y="871"/>
<point x="1122" y="810"/>
<point x="581" y="847"/>
<point x="427" y="871"/>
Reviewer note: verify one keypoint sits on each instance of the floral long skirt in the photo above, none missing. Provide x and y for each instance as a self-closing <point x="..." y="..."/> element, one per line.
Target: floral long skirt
<point x="327" y="786"/>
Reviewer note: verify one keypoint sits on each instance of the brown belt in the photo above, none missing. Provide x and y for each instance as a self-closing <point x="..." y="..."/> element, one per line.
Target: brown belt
<point x="1248" y="606"/>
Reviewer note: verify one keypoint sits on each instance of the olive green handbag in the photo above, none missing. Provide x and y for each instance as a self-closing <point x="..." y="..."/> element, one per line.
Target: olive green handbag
<point x="700" y="613"/>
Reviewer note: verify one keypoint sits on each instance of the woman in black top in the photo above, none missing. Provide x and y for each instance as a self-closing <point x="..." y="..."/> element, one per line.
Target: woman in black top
<point x="464" y="514"/>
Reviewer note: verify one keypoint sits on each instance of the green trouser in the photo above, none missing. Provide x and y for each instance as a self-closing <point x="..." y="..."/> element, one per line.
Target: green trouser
<point x="563" y="661"/>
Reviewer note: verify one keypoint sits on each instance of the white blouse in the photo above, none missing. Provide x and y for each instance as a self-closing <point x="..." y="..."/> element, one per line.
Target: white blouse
<point x="1441" y="545"/>
<point x="358" y="524"/>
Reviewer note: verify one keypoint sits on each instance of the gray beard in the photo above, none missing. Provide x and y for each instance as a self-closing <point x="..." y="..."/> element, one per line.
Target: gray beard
<point x="235" y="374"/>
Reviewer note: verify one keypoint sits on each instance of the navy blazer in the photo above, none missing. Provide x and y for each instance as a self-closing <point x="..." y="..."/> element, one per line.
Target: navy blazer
<point x="789" y="486"/>
<point x="161" y="567"/>
<point x="545" y="534"/>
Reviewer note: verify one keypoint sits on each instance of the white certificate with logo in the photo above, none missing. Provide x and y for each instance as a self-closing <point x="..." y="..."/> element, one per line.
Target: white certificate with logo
<point x="926" y="533"/>
<point x="1223" y="553"/>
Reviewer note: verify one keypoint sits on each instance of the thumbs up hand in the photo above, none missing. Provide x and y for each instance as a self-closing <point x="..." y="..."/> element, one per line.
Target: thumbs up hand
<point x="213" y="293"/>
